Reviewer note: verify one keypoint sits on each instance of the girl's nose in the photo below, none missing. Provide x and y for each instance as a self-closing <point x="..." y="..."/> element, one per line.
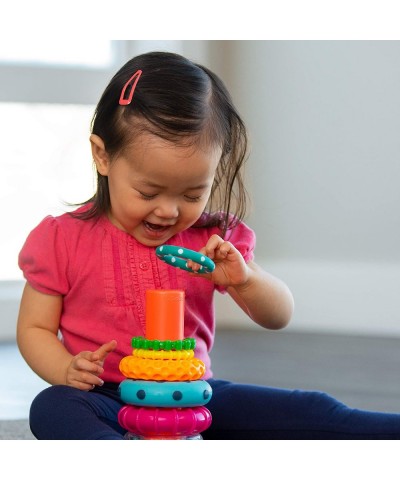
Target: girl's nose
<point x="167" y="209"/>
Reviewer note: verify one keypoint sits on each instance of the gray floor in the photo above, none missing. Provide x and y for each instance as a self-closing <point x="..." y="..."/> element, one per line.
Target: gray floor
<point x="362" y="372"/>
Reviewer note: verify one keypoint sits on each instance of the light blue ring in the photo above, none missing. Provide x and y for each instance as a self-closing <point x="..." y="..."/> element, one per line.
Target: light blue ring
<point x="165" y="394"/>
<point x="177" y="256"/>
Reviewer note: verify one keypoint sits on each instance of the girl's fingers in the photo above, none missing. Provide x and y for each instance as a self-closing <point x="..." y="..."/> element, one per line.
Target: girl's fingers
<point x="106" y="348"/>
<point x="87" y="364"/>
<point x="82" y="386"/>
<point x="84" y="380"/>
<point x="219" y="250"/>
<point x="193" y="265"/>
<point x="101" y="353"/>
<point x="85" y="368"/>
<point x="212" y="246"/>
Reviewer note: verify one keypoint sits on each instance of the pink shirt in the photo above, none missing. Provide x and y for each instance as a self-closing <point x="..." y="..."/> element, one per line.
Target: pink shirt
<point x="103" y="274"/>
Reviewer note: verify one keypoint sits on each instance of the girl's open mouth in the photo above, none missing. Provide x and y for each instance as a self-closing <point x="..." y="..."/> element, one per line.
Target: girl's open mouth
<point x="155" y="227"/>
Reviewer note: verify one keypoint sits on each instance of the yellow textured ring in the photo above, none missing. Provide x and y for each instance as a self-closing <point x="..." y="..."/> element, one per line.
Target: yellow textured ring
<point x="163" y="354"/>
<point x="162" y="370"/>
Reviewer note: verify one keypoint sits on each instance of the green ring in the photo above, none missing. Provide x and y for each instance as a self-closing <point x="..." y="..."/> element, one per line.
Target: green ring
<point x="177" y="256"/>
<point x="185" y="344"/>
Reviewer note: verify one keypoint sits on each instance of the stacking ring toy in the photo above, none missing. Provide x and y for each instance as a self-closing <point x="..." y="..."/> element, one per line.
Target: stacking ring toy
<point x="163" y="354"/>
<point x="177" y="256"/>
<point x="167" y="370"/>
<point x="167" y="422"/>
<point x="165" y="394"/>
<point x="185" y="344"/>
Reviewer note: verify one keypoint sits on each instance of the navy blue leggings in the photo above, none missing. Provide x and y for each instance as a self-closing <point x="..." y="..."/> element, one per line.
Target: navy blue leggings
<point x="239" y="412"/>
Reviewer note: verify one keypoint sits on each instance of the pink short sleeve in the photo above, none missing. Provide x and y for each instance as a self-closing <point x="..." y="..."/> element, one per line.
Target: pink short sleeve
<point x="244" y="239"/>
<point x="43" y="258"/>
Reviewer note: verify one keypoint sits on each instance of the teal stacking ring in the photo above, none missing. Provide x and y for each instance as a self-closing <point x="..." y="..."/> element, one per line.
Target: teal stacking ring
<point x="165" y="394"/>
<point x="178" y="256"/>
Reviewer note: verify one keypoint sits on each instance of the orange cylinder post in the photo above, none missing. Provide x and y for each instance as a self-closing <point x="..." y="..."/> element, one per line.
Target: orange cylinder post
<point x="165" y="314"/>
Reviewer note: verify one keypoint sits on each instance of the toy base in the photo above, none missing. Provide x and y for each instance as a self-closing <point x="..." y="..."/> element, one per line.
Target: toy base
<point x="135" y="436"/>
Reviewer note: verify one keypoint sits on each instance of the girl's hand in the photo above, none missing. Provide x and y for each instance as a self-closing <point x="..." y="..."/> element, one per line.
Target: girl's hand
<point x="230" y="267"/>
<point x="84" y="370"/>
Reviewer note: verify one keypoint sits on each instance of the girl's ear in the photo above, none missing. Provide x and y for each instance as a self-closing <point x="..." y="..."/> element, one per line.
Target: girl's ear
<point x="100" y="156"/>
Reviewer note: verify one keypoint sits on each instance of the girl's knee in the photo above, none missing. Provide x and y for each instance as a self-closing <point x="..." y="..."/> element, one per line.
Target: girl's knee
<point x="48" y="405"/>
<point x="50" y="397"/>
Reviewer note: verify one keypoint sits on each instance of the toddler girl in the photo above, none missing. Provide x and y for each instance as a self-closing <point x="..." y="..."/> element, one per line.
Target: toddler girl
<point x="169" y="148"/>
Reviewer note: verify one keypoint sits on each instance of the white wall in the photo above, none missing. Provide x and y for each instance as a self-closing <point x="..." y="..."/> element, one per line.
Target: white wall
<point x="323" y="173"/>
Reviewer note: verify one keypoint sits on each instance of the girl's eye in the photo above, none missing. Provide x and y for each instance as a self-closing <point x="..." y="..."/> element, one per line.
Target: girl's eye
<point x="193" y="199"/>
<point x="147" y="197"/>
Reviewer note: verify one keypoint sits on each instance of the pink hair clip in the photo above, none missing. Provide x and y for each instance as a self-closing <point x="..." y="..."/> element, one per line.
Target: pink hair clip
<point x="134" y="78"/>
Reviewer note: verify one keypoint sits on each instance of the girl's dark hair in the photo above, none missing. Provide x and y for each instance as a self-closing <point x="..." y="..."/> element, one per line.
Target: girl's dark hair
<point x="179" y="101"/>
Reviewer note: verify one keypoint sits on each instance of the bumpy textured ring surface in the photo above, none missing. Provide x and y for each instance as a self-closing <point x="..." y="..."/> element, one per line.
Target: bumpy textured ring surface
<point x="177" y="257"/>
<point x="165" y="394"/>
<point x="163" y="354"/>
<point x="167" y="370"/>
<point x="164" y="422"/>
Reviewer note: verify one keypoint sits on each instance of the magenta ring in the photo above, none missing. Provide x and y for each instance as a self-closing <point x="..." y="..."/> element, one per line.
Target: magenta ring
<point x="164" y="422"/>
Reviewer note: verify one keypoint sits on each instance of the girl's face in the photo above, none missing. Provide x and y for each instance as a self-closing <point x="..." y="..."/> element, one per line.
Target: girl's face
<point x="157" y="189"/>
